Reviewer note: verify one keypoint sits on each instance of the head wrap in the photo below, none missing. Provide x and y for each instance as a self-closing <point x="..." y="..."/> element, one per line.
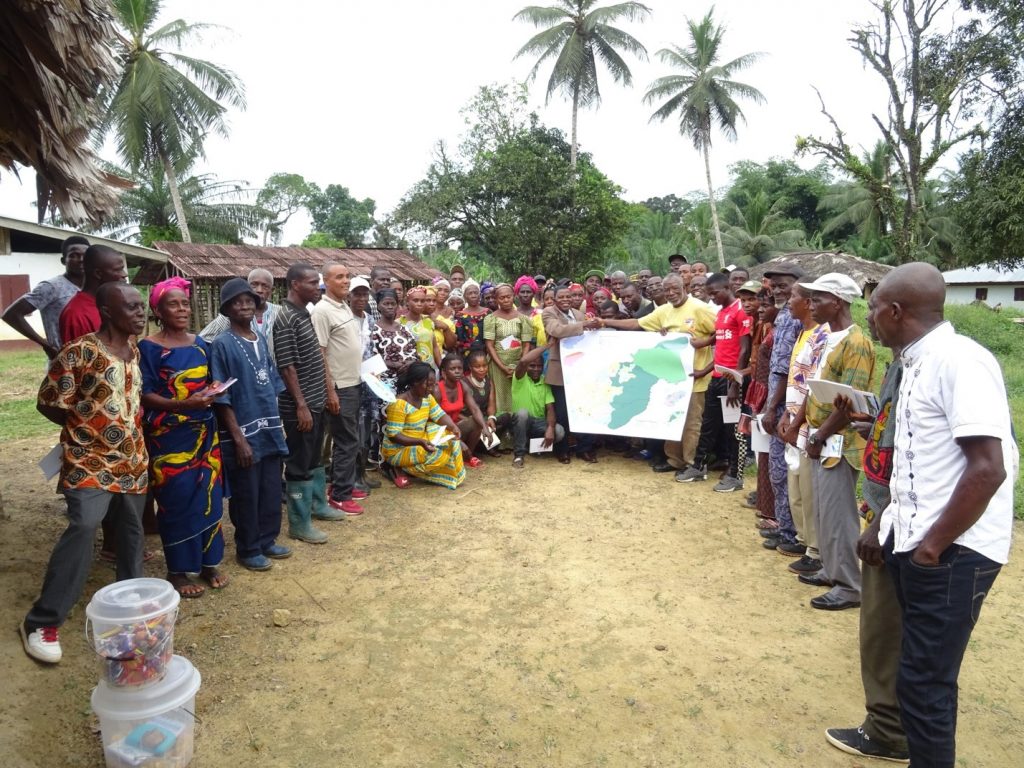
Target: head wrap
<point x="439" y="281"/>
<point x="525" y="280"/>
<point x="603" y="292"/>
<point x="456" y="294"/>
<point x="594" y="273"/>
<point x="170" y="284"/>
<point x="470" y="283"/>
<point x="430" y="291"/>
<point x="486" y="286"/>
<point x="575" y="287"/>
<point x="416" y="289"/>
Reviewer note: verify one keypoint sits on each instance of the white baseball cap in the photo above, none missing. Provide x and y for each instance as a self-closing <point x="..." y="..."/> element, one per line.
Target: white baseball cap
<point x="358" y="282"/>
<point x="839" y="285"/>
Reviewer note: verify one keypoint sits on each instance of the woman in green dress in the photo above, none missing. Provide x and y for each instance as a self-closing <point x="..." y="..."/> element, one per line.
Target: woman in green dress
<point x="508" y="336"/>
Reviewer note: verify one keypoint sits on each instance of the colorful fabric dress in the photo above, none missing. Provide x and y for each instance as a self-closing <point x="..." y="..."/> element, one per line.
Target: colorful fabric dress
<point x="185" y="460"/>
<point x="441" y="323"/>
<point x="441" y="466"/>
<point x="423" y="331"/>
<point x="469" y="330"/>
<point x="508" y="337"/>
<point x="397" y="346"/>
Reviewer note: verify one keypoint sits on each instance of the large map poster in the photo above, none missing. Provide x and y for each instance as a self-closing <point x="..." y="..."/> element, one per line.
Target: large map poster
<point x="628" y="383"/>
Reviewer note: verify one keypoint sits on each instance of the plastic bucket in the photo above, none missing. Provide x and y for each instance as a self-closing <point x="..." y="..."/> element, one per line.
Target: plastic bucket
<point x="132" y="630"/>
<point x="151" y="726"/>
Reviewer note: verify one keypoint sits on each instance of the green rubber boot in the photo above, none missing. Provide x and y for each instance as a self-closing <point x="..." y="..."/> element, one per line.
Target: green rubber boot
<point x="321" y="509"/>
<point x="299" y="495"/>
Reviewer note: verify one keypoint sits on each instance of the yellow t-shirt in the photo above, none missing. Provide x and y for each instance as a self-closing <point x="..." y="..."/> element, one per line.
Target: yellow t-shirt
<point x="692" y="317"/>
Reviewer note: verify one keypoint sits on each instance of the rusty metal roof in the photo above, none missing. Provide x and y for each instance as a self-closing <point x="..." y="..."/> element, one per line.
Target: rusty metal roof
<point x="220" y="262"/>
<point x="818" y="263"/>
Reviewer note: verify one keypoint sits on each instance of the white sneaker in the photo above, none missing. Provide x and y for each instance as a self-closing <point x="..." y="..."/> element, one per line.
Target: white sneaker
<point x="42" y="644"/>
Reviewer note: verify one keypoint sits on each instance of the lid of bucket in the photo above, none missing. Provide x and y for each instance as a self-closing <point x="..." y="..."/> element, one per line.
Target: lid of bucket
<point x="178" y="686"/>
<point x="124" y="602"/>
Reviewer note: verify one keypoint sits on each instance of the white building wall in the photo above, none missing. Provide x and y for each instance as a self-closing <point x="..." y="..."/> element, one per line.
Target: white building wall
<point x="997" y="294"/>
<point x="38" y="266"/>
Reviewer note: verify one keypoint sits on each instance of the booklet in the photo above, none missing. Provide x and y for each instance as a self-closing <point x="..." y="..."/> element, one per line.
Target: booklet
<point x="221" y="387"/>
<point x="730" y="413"/>
<point x="444" y="437"/>
<point x="491" y="441"/>
<point x="827" y="391"/>
<point x="732" y="373"/>
<point x="537" y="445"/>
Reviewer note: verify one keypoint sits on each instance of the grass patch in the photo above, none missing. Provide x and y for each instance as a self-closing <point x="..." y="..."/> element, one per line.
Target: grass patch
<point x="21" y="374"/>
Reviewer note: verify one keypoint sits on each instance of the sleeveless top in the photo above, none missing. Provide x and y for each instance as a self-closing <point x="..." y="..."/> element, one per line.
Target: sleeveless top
<point x="452" y="407"/>
<point x="482" y="395"/>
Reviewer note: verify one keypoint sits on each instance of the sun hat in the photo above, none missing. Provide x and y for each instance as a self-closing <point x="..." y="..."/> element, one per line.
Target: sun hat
<point x="234" y="288"/>
<point x="841" y="286"/>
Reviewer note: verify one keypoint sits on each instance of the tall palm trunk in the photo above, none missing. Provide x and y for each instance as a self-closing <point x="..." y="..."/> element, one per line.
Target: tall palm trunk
<point x="714" y="208"/>
<point x="575" y="111"/>
<point x="172" y="185"/>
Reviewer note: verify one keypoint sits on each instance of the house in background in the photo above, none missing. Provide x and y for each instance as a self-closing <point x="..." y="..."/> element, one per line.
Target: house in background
<point x="30" y="252"/>
<point x="986" y="283"/>
<point x="866" y="273"/>
<point x="209" y="266"/>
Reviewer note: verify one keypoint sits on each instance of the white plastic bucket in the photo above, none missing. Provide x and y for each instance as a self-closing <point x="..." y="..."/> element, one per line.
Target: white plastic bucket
<point x="151" y="726"/>
<point x="132" y="627"/>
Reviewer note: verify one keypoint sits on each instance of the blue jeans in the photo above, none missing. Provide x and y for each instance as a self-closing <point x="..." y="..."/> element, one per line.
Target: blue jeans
<point x="940" y="606"/>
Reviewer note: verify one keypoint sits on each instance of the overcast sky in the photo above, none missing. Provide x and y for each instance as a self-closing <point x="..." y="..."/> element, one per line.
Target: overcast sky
<point x="357" y="92"/>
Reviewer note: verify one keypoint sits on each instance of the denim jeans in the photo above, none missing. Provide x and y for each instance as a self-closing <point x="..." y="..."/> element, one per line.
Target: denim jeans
<point x="525" y="427"/>
<point x="940" y="606"/>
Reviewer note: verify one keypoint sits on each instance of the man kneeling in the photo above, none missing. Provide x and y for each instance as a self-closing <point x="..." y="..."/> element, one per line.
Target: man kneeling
<point x="533" y="406"/>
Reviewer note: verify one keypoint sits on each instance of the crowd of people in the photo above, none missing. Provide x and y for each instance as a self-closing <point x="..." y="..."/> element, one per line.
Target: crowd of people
<point x="267" y="404"/>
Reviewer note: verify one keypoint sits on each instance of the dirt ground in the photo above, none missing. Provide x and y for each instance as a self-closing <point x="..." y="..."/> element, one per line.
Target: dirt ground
<point x="590" y="615"/>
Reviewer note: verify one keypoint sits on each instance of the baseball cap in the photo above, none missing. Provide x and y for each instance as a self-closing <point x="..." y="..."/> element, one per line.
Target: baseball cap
<point x="751" y="286"/>
<point x="787" y="269"/>
<point x="677" y="257"/>
<point x="358" y="282"/>
<point x="839" y="285"/>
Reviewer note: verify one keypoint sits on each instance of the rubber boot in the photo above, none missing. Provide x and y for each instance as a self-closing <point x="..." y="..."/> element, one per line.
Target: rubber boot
<point x="320" y="509"/>
<point x="364" y="483"/>
<point x="300" y="499"/>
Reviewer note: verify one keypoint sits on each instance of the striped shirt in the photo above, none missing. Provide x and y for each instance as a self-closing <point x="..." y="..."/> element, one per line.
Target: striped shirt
<point x="296" y="346"/>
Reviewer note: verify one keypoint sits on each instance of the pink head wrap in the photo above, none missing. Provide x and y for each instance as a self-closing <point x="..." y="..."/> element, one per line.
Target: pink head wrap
<point x="170" y="284"/>
<point x="525" y="280"/>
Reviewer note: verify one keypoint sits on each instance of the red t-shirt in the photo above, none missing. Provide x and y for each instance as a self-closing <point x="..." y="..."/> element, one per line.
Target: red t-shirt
<point x="731" y="324"/>
<point x="79" y="317"/>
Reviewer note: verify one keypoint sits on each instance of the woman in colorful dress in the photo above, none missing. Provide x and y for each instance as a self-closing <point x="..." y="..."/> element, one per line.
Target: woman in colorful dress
<point x="444" y="328"/>
<point x="414" y="422"/>
<point x="392" y="340"/>
<point x="469" y="322"/>
<point x="181" y="438"/>
<point x="525" y="292"/>
<point x="508" y="336"/>
<point x="456" y="399"/>
<point x="419" y="324"/>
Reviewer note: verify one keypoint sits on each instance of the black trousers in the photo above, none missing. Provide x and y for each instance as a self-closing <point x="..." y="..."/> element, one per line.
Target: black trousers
<point x="715" y="434"/>
<point x="345" y="437"/>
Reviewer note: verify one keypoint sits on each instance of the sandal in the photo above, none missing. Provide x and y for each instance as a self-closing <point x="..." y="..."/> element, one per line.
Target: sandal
<point x="767" y="524"/>
<point x="474" y="462"/>
<point x="110" y="557"/>
<point x="185" y="587"/>
<point x="401" y="479"/>
<point x="214" y="577"/>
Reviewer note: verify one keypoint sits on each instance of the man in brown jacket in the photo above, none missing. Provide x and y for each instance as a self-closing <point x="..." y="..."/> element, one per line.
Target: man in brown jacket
<point x="562" y="321"/>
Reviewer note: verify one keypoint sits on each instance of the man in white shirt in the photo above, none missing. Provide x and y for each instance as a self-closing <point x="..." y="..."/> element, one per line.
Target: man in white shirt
<point x="946" y="532"/>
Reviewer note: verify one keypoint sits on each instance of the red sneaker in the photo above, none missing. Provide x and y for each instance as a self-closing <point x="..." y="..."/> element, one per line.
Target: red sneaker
<point x="359" y="495"/>
<point x="348" y="506"/>
<point x="474" y="462"/>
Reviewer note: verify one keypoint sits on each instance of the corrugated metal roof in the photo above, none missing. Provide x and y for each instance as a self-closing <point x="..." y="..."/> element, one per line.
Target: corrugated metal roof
<point x="818" y="263"/>
<point x="982" y="273"/>
<point x="134" y="254"/>
<point x="220" y="262"/>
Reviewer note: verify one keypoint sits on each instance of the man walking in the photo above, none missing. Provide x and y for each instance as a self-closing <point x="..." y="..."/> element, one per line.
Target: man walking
<point x="50" y="297"/>
<point x="341" y="345"/>
<point x="302" y="370"/>
<point x="946" y="533"/>
<point x="93" y="391"/>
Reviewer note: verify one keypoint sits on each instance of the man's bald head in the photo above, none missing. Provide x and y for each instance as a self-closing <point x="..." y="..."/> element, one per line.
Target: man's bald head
<point x="907" y="303"/>
<point x="102" y="264"/>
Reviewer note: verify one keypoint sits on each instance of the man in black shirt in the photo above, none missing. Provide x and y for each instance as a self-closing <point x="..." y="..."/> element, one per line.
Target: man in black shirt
<point x="302" y="369"/>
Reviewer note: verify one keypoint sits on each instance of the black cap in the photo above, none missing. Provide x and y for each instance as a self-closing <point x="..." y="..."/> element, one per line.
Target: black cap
<point x="234" y="288"/>
<point x="678" y="257"/>
<point x="785" y="269"/>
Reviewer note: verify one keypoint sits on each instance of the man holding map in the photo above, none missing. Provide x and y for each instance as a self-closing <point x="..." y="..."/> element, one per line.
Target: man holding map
<point x="681" y="313"/>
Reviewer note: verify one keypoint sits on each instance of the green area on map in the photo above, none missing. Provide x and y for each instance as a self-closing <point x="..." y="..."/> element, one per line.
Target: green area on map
<point x="662" y="362"/>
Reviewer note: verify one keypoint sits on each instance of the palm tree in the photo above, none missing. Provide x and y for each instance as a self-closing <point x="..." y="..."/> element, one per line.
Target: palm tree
<point x="854" y="205"/>
<point x="577" y="34"/>
<point x="703" y="95"/>
<point x="759" y="233"/>
<point x="164" y="102"/>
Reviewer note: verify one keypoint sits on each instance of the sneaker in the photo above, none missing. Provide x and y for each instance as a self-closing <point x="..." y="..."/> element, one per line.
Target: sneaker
<point x="350" y="507"/>
<point x="771" y="542"/>
<point x="277" y="552"/>
<point x="691" y="474"/>
<point x="854" y="741"/>
<point x="42" y="644"/>
<point x="359" y="495"/>
<point x="517" y="462"/>
<point x="728" y="484"/>
<point x="805" y="565"/>
<point x="791" y="549"/>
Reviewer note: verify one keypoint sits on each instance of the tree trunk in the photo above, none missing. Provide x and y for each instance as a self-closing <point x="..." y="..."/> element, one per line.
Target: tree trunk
<point x="575" y="109"/>
<point x="179" y="209"/>
<point x="714" y="209"/>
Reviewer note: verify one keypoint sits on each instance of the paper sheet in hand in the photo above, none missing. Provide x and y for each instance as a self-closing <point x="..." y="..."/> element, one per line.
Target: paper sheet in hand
<point x="50" y="464"/>
<point x="730" y="413"/>
<point x="730" y="372"/>
<point x="374" y="365"/>
<point x="537" y="445"/>
<point x="444" y="437"/>
<point x="827" y="391"/>
<point x="491" y="441"/>
<point x="222" y="387"/>
<point x="759" y="441"/>
<point x="369" y="372"/>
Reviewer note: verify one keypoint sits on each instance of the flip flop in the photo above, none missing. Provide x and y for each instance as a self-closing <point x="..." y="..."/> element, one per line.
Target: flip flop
<point x="181" y="582"/>
<point x="214" y="577"/>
